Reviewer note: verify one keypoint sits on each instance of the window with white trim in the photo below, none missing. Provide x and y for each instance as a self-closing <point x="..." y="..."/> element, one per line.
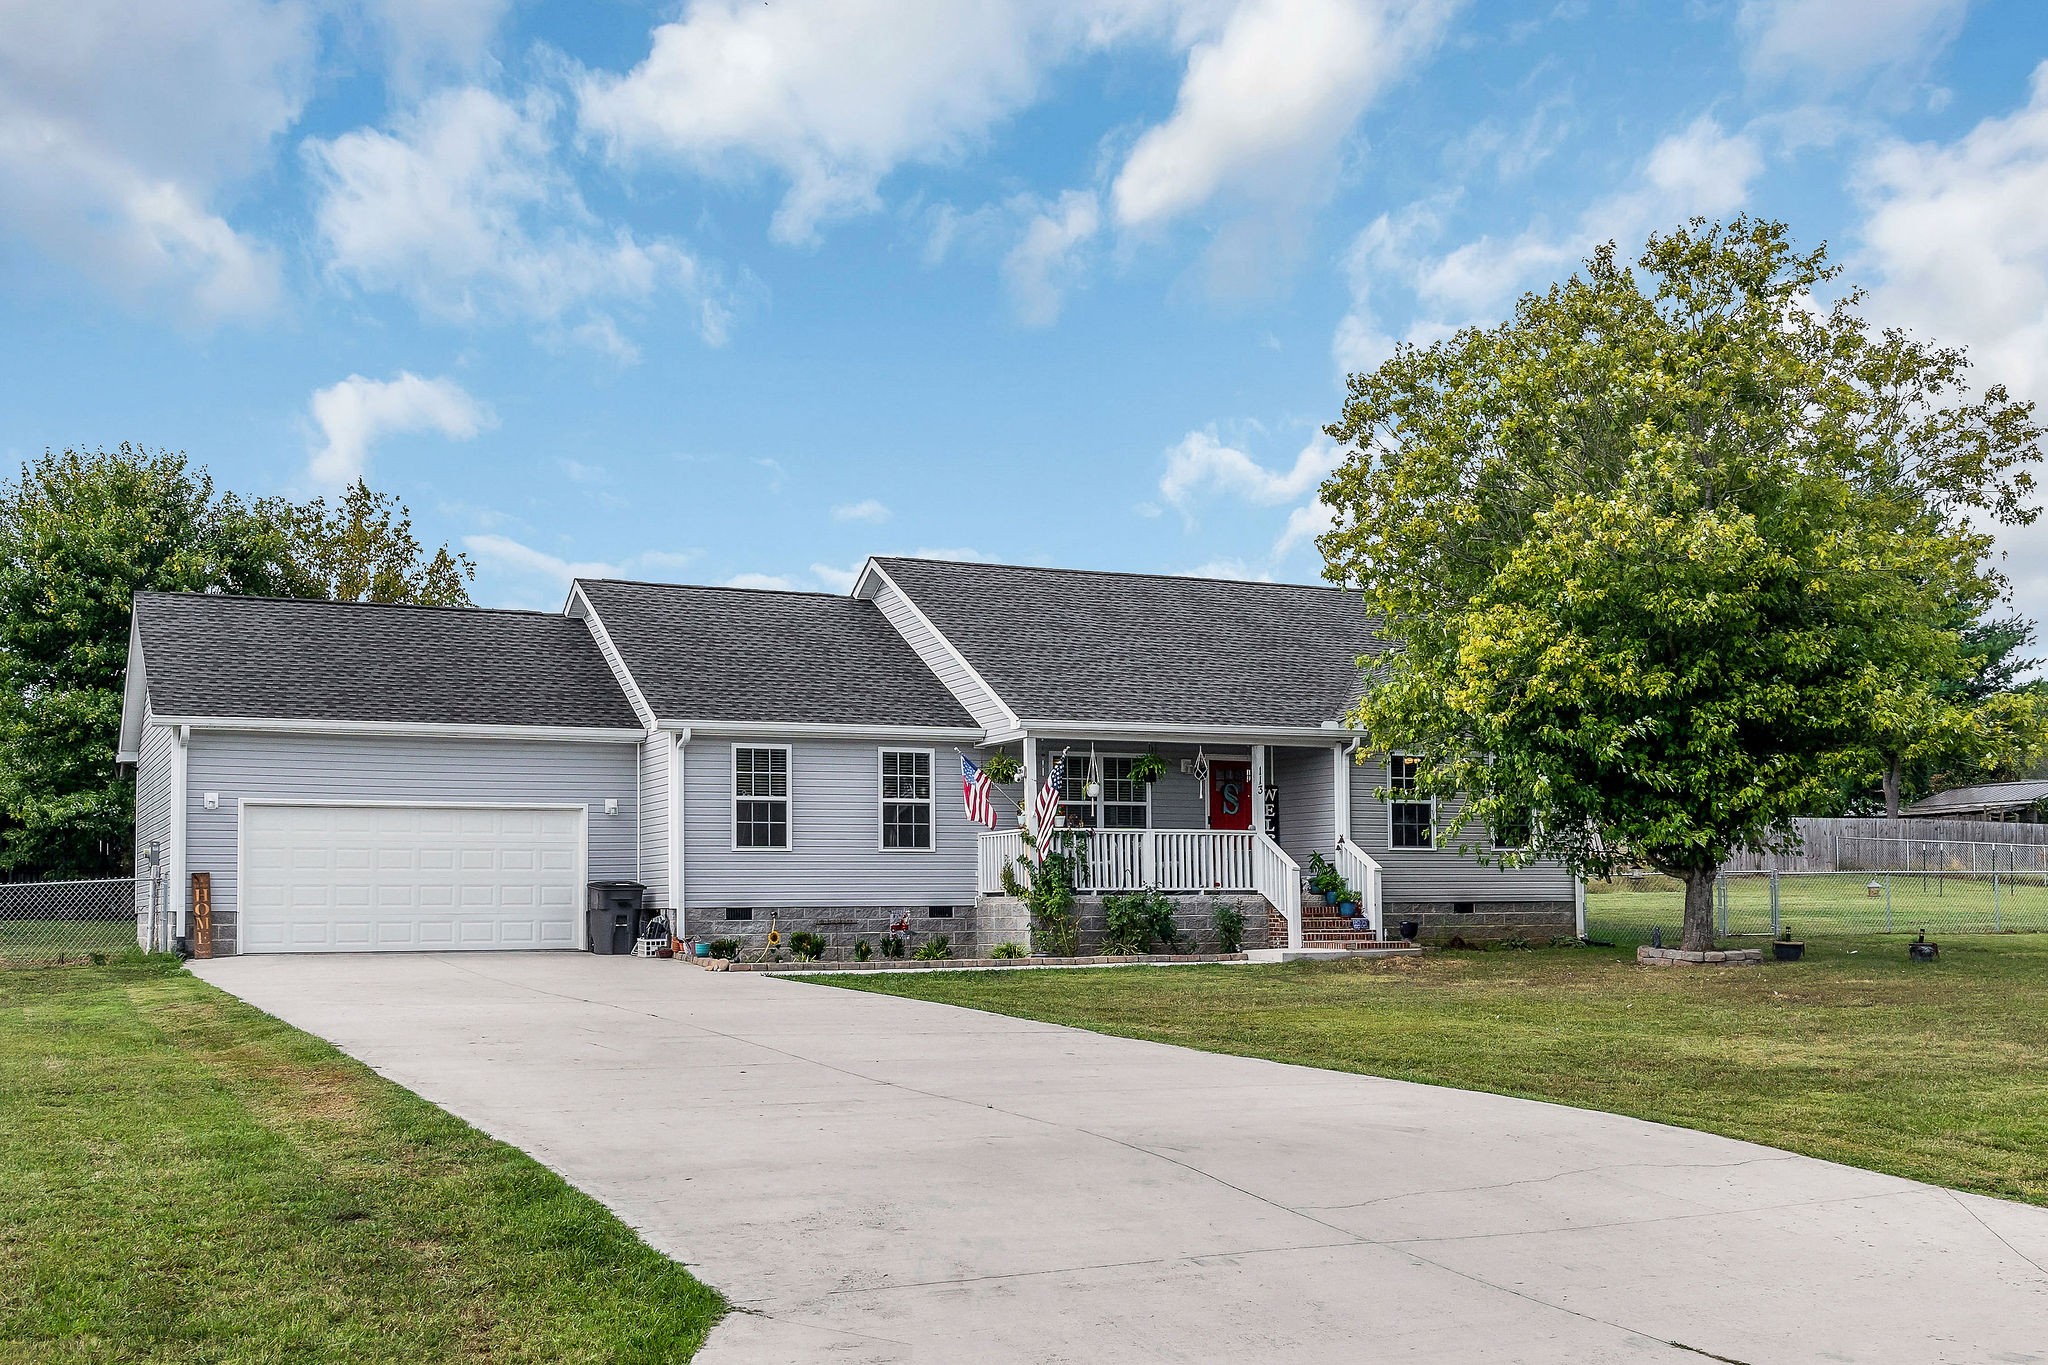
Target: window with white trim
<point x="1125" y="800"/>
<point x="1512" y="833"/>
<point x="760" y="796"/>
<point x="1411" y="818"/>
<point x="1077" y="807"/>
<point x="906" y="795"/>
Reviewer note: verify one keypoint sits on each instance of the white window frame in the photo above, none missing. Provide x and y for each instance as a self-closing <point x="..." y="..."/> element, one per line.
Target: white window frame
<point x="1493" y="837"/>
<point x="1096" y="804"/>
<point x="1393" y="760"/>
<point x="930" y="801"/>
<point x="788" y="799"/>
<point x="1102" y="802"/>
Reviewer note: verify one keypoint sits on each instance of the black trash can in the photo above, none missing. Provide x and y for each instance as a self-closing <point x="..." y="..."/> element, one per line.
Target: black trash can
<point x="614" y="916"/>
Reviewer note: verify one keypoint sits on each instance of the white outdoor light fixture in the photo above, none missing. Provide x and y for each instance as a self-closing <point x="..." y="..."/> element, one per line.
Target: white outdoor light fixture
<point x="611" y="805"/>
<point x="213" y="800"/>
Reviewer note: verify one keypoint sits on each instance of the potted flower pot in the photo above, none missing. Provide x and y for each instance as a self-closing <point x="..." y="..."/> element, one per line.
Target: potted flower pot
<point x="1785" y="950"/>
<point x="1411" y="929"/>
<point x="1348" y="909"/>
<point x="1329" y="898"/>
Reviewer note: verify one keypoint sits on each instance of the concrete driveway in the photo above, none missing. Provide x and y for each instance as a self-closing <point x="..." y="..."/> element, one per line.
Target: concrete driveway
<point x="872" y="1179"/>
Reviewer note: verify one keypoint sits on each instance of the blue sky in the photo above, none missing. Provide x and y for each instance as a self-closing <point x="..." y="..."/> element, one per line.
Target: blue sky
<point x="741" y="291"/>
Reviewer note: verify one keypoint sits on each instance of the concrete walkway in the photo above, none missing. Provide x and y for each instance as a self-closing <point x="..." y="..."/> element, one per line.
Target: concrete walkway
<point x="873" y="1179"/>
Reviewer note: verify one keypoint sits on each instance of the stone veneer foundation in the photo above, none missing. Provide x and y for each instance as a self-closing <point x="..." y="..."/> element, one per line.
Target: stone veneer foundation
<point x="1675" y="957"/>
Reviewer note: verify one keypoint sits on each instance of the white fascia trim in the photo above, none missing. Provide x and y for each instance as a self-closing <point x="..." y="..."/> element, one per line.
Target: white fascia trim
<point x="416" y="729"/>
<point x="1246" y="734"/>
<point x="859" y="586"/>
<point x="797" y="729"/>
<point x="612" y="657"/>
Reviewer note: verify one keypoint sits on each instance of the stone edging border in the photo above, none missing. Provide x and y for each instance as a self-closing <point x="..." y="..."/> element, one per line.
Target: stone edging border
<point x="1647" y="956"/>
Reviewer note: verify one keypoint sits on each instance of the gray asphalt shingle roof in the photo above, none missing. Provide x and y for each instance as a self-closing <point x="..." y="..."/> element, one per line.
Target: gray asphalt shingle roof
<point x="275" y="658"/>
<point x="703" y="653"/>
<point x="1078" y="645"/>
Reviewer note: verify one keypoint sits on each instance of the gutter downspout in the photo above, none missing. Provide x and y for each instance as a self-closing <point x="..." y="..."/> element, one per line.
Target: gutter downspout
<point x="175" y="893"/>
<point x="678" y="772"/>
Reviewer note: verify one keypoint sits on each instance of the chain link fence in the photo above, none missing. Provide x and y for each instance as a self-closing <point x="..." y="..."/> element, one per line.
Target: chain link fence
<point x="1933" y="899"/>
<point x="54" y="922"/>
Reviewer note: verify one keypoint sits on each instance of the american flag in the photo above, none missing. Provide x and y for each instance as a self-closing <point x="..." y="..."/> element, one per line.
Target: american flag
<point x="978" y="792"/>
<point x="1049" y="803"/>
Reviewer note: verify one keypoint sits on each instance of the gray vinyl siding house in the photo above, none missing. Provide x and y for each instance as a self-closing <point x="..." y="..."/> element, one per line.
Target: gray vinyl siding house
<point x="353" y="777"/>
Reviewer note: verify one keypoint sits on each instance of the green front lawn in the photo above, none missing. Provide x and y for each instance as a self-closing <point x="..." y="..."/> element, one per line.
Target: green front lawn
<point x="1935" y="1071"/>
<point x="55" y="940"/>
<point x="186" y="1179"/>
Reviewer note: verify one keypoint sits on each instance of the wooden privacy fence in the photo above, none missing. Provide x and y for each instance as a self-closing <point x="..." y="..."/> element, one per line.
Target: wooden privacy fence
<point x="1879" y="845"/>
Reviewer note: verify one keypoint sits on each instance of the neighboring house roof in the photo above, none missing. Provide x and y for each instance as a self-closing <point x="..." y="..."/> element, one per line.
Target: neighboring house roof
<point x="1988" y="796"/>
<point x="271" y="658"/>
<point x="747" y="654"/>
<point x="1078" y="645"/>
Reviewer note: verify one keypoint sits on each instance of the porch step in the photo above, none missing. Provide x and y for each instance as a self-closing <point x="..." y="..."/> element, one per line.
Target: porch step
<point x="1322" y="927"/>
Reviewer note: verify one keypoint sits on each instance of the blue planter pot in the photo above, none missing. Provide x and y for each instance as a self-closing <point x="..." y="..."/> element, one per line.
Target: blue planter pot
<point x="1348" y="909"/>
<point x="1329" y="898"/>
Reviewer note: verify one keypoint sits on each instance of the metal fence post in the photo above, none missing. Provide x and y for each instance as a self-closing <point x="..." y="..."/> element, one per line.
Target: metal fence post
<point x="1887" y="902"/>
<point x="1997" y="914"/>
<point x="1774" y="902"/>
<point x="1721" y="900"/>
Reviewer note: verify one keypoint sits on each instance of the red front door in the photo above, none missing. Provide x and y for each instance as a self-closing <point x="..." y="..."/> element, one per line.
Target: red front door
<point x="1230" y="796"/>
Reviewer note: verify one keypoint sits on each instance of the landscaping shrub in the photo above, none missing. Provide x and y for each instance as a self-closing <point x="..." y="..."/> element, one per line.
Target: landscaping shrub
<point x="727" y="948"/>
<point x="1229" y="922"/>
<point x="806" y="947"/>
<point x="933" y="949"/>
<point x="1007" y="950"/>
<point x="892" y="946"/>
<point x="1054" y="926"/>
<point x="1132" y="922"/>
<point x="862" y="950"/>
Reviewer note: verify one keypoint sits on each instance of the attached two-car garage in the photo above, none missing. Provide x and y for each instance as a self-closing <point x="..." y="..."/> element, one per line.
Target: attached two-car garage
<point x="363" y="877"/>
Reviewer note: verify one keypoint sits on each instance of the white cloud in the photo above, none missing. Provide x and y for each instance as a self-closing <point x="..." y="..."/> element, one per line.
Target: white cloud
<point x="1267" y="102"/>
<point x="867" y="509"/>
<point x="423" y="38"/>
<point x="122" y="126"/>
<point x="1203" y="464"/>
<point x="832" y="93"/>
<point x="837" y="579"/>
<point x="1701" y="169"/>
<point x="1270" y="91"/>
<point x="767" y="581"/>
<point x="1041" y="267"/>
<point x="1228" y="567"/>
<point x="462" y="210"/>
<point x="1835" y="41"/>
<point x="357" y="413"/>
<point x="1958" y="244"/>
<point x="1958" y="239"/>
<point x="505" y="553"/>
<point x="1304" y="524"/>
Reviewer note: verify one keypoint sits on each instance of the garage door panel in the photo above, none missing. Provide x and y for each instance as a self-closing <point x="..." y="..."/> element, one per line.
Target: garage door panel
<point x="392" y="878"/>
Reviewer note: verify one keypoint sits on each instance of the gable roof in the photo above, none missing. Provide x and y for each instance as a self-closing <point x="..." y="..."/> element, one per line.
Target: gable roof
<point x="1080" y="645"/>
<point x="746" y="654"/>
<point x="206" y="655"/>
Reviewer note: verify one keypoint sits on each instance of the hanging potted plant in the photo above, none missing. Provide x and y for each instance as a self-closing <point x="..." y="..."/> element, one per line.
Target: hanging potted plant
<point x="1148" y="767"/>
<point x="1002" y="767"/>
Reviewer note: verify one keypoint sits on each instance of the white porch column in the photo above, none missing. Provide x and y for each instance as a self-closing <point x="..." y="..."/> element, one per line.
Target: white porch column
<point x="1258" y="792"/>
<point x="1031" y="785"/>
<point x="1342" y="761"/>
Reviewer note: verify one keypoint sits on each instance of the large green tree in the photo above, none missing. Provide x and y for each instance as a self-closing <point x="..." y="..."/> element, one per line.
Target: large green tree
<point x="1674" y="555"/>
<point x="80" y="533"/>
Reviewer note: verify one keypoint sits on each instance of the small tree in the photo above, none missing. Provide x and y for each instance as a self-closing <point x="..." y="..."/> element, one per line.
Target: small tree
<point x="1669" y="558"/>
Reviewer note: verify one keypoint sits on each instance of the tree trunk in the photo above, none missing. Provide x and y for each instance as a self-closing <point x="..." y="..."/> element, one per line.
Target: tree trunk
<point x="1891" y="791"/>
<point x="1699" y="910"/>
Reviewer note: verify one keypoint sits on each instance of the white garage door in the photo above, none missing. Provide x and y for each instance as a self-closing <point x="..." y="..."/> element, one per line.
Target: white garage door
<point x="350" y="879"/>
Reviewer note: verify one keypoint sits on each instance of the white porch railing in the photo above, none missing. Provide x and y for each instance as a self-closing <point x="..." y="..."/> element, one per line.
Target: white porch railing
<point x="995" y="851"/>
<point x="1221" y="860"/>
<point x="1357" y="867"/>
<point x="1277" y="877"/>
